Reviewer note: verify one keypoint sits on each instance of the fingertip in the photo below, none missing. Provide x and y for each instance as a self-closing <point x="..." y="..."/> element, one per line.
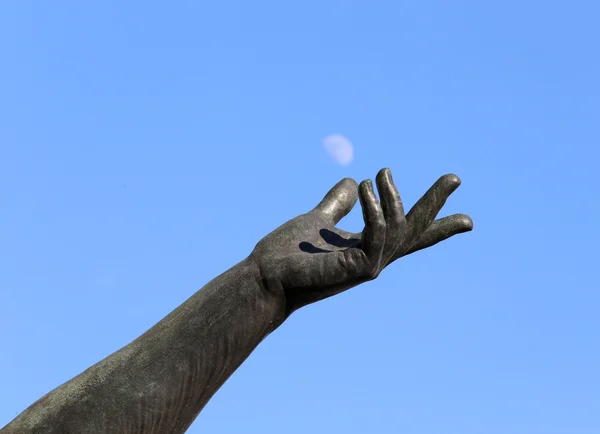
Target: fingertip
<point x="459" y="223"/>
<point x="455" y="224"/>
<point x="451" y="180"/>
<point x="349" y="184"/>
<point x="384" y="172"/>
<point x="365" y="189"/>
<point x="365" y="184"/>
<point x="466" y="222"/>
<point x="383" y="178"/>
<point x="340" y="200"/>
<point x="447" y="183"/>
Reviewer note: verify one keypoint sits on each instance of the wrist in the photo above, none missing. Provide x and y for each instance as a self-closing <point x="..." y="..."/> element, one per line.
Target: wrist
<point x="269" y="299"/>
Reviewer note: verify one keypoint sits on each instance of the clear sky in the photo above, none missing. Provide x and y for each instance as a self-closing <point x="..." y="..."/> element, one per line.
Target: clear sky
<point x="147" y="146"/>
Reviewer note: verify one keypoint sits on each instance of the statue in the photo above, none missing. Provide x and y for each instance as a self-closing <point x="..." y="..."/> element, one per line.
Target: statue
<point x="161" y="381"/>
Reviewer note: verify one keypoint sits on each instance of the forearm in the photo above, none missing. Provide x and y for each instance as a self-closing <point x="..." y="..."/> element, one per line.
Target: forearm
<point x="162" y="380"/>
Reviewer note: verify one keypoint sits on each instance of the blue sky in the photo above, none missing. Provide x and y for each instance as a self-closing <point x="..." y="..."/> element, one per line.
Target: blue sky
<point x="146" y="147"/>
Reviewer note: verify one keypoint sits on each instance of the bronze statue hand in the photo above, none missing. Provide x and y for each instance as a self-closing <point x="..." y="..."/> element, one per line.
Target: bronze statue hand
<point x="308" y="259"/>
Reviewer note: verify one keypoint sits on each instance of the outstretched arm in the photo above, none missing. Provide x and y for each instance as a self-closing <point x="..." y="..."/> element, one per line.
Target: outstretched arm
<point x="162" y="380"/>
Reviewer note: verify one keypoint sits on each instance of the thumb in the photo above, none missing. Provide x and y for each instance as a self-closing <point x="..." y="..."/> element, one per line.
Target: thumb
<point x="339" y="201"/>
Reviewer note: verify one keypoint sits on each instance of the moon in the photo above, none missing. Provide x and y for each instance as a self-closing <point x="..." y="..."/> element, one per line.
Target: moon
<point x="339" y="148"/>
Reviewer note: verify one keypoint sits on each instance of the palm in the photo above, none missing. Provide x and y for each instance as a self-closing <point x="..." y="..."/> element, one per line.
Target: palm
<point x="309" y="258"/>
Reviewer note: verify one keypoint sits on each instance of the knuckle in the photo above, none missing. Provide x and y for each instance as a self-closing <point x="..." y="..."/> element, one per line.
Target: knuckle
<point x="352" y="260"/>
